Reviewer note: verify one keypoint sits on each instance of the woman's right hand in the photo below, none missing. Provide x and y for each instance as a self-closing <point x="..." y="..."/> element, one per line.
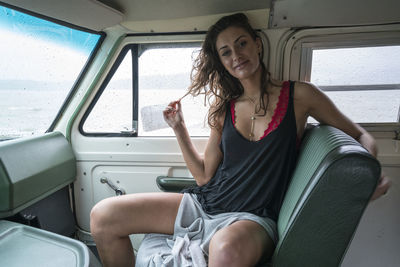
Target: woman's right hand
<point x="173" y="115"/>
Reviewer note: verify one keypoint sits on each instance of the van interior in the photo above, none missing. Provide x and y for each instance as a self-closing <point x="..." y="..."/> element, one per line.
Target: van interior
<point x="83" y="84"/>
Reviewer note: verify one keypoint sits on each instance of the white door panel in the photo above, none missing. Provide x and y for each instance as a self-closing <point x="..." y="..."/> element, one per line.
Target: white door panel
<point x="133" y="179"/>
<point x="134" y="169"/>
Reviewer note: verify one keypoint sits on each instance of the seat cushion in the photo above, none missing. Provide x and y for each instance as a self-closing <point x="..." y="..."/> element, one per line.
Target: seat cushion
<point x="22" y="245"/>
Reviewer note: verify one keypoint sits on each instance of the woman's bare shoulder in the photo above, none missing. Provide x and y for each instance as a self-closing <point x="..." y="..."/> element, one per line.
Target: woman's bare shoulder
<point x="306" y="97"/>
<point x="304" y="90"/>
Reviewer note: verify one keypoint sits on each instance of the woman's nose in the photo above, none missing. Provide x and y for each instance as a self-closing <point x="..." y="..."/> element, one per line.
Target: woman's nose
<point x="235" y="54"/>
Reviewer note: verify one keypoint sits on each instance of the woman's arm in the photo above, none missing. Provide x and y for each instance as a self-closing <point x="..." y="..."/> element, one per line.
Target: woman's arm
<point x="201" y="168"/>
<point x="320" y="107"/>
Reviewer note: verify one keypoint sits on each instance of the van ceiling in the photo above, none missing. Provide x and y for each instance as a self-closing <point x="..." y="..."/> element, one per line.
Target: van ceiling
<point x="100" y="14"/>
<point x="320" y="13"/>
<point x="144" y="10"/>
<point x="189" y="15"/>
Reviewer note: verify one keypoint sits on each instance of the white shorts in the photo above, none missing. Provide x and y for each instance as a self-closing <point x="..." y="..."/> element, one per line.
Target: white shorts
<point x="193" y="230"/>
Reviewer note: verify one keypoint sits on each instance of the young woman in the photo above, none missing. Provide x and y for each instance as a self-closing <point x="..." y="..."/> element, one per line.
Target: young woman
<point x="256" y="125"/>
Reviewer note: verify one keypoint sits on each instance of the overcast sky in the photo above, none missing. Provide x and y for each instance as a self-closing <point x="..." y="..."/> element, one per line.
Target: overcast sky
<point x="35" y="49"/>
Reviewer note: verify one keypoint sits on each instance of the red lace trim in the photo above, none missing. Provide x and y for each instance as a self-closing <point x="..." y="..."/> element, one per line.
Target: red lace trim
<point x="233" y="101"/>
<point x="279" y="112"/>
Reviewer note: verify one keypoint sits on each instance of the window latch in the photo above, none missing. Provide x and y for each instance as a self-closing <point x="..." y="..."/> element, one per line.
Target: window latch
<point x="132" y="132"/>
<point x="118" y="191"/>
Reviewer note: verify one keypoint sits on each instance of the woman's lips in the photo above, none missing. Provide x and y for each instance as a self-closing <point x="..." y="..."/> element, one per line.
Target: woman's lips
<point x="240" y="65"/>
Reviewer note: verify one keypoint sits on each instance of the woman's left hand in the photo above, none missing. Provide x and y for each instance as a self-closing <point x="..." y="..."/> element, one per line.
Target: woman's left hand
<point x="383" y="186"/>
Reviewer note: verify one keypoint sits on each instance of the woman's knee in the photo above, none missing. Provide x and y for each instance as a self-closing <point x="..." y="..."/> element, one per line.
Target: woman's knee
<point x="243" y="243"/>
<point x="101" y="217"/>
<point x="225" y="250"/>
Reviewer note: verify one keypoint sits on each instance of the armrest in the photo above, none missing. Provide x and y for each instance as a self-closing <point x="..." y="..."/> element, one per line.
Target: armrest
<point x="32" y="169"/>
<point x="330" y="188"/>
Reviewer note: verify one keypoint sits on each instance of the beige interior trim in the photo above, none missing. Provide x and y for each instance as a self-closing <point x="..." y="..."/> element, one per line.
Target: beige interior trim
<point x="258" y="19"/>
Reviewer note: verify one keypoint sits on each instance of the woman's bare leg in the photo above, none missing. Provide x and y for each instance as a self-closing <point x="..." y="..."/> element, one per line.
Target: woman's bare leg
<point x="243" y="243"/>
<point x="112" y="220"/>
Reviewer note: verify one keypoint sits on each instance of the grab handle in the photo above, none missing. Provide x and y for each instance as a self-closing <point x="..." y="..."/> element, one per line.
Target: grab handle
<point x="174" y="184"/>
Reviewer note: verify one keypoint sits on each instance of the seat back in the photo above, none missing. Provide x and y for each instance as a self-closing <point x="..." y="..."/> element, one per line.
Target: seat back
<point x="330" y="188"/>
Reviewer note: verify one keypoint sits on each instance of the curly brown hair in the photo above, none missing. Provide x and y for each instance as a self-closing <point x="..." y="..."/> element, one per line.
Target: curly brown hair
<point x="209" y="76"/>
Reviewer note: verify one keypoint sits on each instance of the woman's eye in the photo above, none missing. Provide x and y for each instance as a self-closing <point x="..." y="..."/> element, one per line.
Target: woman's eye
<point x="225" y="53"/>
<point x="242" y="43"/>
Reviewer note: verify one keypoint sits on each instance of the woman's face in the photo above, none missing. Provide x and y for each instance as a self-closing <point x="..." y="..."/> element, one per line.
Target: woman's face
<point x="239" y="52"/>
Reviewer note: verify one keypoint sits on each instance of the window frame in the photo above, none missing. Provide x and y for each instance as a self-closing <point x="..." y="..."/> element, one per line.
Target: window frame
<point x="115" y="65"/>
<point x="297" y="56"/>
<point x="306" y="62"/>
<point x="134" y="42"/>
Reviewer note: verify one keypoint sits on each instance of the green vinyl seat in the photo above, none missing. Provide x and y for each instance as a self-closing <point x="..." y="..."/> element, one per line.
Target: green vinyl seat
<point x="329" y="191"/>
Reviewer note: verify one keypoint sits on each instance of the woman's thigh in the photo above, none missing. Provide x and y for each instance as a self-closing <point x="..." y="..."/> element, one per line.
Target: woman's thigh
<point x="243" y="243"/>
<point x="137" y="213"/>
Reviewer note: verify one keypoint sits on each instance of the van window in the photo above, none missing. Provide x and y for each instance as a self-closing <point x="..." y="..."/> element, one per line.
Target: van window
<point x="113" y="110"/>
<point x="364" y="82"/>
<point x="164" y="76"/>
<point x="40" y="61"/>
<point x="130" y="106"/>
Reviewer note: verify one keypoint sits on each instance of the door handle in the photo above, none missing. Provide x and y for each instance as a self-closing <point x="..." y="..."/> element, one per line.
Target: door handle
<point x="118" y="191"/>
<point x="174" y="184"/>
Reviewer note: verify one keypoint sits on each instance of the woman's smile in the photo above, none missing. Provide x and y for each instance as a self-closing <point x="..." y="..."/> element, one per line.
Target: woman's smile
<point x="241" y="65"/>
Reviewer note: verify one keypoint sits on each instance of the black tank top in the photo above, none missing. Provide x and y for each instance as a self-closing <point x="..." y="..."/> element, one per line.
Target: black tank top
<point x="253" y="175"/>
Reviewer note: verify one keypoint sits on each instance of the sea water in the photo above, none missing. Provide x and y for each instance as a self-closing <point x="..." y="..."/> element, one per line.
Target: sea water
<point x="30" y="112"/>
